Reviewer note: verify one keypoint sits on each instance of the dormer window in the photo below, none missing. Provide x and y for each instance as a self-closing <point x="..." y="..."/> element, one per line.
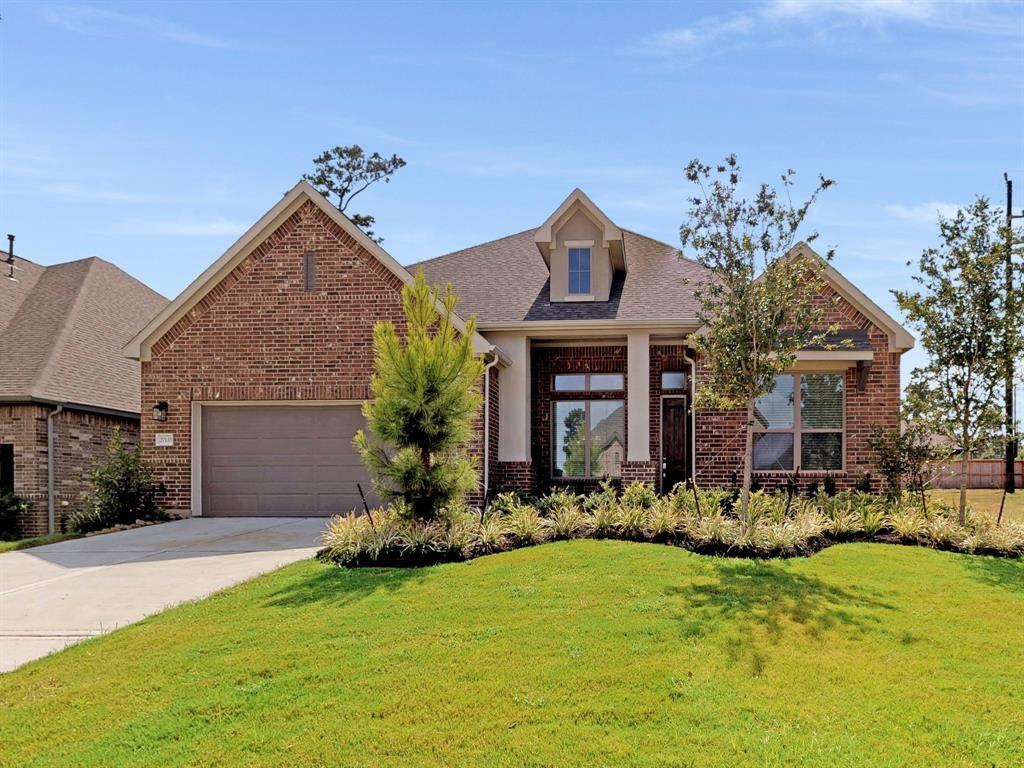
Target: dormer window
<point x="579" y="271"/>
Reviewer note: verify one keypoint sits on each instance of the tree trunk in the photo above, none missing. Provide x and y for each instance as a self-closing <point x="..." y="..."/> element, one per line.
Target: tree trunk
<point x="965" y="467"/>
<point x="748" y="461"/>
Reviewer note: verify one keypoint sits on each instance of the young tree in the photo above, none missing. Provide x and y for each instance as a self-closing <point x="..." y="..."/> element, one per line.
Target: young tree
<point x="758" y="308"/>
<point x="959" y="311"/>
<point x="345" y="172"/>
<point x="426" y="397"/>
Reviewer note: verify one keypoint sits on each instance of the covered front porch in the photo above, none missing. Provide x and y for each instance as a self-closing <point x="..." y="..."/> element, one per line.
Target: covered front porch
<point x="574" y="411"/>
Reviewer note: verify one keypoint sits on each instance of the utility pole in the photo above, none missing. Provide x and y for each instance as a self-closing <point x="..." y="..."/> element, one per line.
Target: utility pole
<point x="1010" y="481"/>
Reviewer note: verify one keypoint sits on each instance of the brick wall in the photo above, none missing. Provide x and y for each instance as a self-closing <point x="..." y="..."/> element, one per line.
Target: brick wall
<point x="260" y="336"/>
<point x="80" y="442"/>
<point x="24" y="426"/>
<point x="720" y="434"/>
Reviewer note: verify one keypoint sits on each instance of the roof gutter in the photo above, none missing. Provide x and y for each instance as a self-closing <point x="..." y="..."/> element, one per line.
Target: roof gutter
<point x="51" y="517"/>
<point x="99" y="410"/>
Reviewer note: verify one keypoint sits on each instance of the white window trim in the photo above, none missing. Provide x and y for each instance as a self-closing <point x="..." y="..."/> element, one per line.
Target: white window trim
<point x="797" y="430"/>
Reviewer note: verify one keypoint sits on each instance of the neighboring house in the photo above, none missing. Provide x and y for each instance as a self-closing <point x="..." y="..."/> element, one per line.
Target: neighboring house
<point x="65" y="385"/>
<point x="264" y="360"/>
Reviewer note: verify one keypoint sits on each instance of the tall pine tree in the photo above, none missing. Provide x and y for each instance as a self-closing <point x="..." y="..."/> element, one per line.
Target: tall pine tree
<point x="426" y="398"/>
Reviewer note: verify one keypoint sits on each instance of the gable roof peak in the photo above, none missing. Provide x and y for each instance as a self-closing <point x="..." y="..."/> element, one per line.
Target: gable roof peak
<point x="611" y="235"/>
<point x="140" y="347"/>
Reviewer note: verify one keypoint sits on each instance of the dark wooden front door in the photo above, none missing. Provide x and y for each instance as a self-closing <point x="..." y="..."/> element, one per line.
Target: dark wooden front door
<point x="675" y="443"/>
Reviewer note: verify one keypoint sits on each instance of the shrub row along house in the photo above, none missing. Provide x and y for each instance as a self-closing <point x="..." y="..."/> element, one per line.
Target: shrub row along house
<point x="252" y="378"/>
<point x="65" y="384"/>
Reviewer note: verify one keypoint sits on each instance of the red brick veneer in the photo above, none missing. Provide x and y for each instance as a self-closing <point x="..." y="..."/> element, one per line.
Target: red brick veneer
<point x="258" y="335"/>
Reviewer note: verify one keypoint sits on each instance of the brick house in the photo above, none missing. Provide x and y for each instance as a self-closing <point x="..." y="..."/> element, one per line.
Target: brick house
<point x="65" y="385"/>
<point x="258" y="369"/>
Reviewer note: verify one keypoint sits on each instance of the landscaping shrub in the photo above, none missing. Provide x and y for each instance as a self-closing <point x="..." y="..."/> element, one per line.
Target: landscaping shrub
<point x="11" y="508"/>
<point x="123" y="490"/>
<point x="490" y="533"/>
<point x="566" y="520"/>
<point x="526" y="526"/>
<point x="777" y="525"/>
<point x="601" y="520"/>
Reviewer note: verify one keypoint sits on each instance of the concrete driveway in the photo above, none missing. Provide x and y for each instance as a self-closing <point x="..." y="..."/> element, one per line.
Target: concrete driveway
<point x="53" y="596"/>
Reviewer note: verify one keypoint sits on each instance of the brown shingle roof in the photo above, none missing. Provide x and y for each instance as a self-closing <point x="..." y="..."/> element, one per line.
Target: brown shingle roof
<point x="62" y="329"/>
<point x="506" y="280"/>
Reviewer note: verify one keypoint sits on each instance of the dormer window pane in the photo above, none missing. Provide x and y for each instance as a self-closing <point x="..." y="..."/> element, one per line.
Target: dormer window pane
<point x="579" y="271"/>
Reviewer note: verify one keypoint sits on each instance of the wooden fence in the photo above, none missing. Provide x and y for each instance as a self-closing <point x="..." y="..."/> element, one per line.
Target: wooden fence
<point x="981" y="473"/>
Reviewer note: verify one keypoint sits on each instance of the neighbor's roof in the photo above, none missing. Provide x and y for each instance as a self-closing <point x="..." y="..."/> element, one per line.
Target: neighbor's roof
<point x="62" y="329"/>
<point x="507" y="281"/>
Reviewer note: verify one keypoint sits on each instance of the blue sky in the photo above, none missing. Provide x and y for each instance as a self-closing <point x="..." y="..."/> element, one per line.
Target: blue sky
<point x="154" y="134"/>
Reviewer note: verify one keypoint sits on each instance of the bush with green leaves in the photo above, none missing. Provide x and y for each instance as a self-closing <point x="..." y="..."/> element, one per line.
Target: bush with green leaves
<point x="123" y="490"/>
<point x="12" y="507"/>
<point x="901" y="456"/>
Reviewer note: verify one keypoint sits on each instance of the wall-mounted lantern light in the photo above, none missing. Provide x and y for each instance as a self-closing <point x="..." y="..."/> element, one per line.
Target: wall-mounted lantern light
<point x="160" y="411"/>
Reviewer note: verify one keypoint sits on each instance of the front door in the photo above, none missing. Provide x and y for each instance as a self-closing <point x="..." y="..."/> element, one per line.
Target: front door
<point x="675" y="455"/>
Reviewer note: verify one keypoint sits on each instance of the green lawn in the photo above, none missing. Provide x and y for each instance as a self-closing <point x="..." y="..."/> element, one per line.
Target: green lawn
<point x="588" y="653"/>
<point x="36" y="541"/>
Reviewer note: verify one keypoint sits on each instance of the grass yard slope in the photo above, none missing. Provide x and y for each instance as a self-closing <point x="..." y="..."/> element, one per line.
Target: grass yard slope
<point x="584" y="653"/>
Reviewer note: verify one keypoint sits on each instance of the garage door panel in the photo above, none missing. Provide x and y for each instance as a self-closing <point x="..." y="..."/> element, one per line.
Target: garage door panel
<point x="232" y="503"/>
<point x="281" y="460"/>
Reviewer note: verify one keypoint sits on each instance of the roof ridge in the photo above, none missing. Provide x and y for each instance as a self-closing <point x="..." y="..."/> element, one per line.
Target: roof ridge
<point x="61" y="338"/>
<point x="129" y="275"/>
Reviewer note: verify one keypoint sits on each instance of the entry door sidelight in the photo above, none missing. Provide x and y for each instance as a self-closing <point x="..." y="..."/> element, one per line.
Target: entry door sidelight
<point x="675" y="442"/>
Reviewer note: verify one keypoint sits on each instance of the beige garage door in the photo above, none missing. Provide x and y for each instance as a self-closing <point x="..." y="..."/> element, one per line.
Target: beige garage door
<point x="281" y="461"/>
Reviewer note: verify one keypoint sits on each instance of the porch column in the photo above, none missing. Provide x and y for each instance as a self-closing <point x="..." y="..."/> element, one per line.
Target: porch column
<point x="638" y="396"/>
<point x="513" y="398"/>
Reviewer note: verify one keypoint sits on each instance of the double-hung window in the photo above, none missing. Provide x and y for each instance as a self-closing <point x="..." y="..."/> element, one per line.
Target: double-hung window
<point x="579" y="271"/>
<point x="588" y="425"/>
<point x="800" y="424"/>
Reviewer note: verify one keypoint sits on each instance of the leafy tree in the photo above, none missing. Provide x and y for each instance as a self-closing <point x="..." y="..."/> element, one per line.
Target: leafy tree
<point x="345" y="172"/>
<point x="759" y="305"/>
<point x="959" y="311"/>
<point x="426" y="397"/>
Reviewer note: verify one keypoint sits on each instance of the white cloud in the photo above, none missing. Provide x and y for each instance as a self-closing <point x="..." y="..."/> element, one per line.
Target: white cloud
<point x="87" y="20"/>
<point x="979" y="17"/>
<point x="923" y="213"/>
<point x="182" y="227"/>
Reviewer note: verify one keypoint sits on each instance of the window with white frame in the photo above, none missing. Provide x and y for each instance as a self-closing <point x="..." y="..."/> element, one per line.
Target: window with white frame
<point x="805" y="430"/>
<point x="579" y="271"/>
<point x="588" y="426"/>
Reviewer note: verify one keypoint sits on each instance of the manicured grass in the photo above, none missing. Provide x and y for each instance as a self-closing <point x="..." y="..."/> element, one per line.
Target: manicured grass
<point x="36" y="541"/>
<point x="585" y="653"/>
<point x="985" y="501"/>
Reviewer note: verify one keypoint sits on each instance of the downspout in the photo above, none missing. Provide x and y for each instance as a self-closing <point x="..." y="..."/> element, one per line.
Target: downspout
<point x="487" y="421"/>
<point x="51" y="518"/>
